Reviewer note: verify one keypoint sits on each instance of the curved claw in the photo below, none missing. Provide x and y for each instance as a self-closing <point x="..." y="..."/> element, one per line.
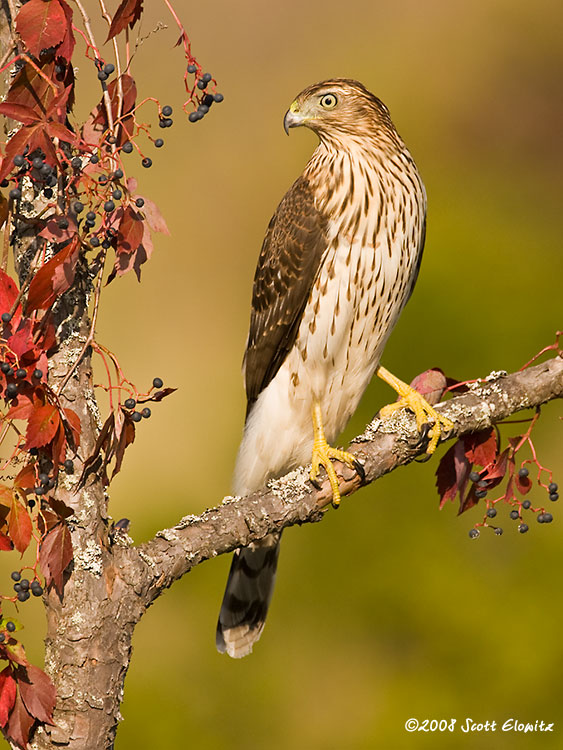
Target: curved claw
<point x="360" y="471"/>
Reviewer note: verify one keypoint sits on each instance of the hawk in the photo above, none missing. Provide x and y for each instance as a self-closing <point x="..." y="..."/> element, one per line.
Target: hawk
<point x="339" y="261"/>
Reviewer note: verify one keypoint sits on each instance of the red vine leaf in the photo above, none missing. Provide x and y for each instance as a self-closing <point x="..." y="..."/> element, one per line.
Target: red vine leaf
<point x="54" y="278"/>
<point x="20" y="722"/>
<point x="130" y="232"/>
<point x="8" y="295"/>
<point x="52" y="232"/>
<point x="55" y="555"/>
<point x="523" y="484"/>
<point x="431" y="384"/>
<point x="6" y="544"/>
<point x="19" y="112"/>
<point x="128" y="12"/>
<point x="481" y="447"/>
<point x="41" y="25"/>
<point x="7" y="694"/>
<point x="38" y="692"/>
<point x="19" y="525"/>
<point x="42" y="426"/>
<point x="66" y="47"/>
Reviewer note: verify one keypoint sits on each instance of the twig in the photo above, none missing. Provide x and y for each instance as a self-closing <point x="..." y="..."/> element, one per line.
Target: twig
<point x="291" y="500"/>
<point x="107" y="16"/>
<point x="92" y="42"/>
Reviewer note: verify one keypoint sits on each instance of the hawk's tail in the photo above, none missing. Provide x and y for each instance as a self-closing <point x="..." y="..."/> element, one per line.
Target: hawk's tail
<point x="249" y="589"/>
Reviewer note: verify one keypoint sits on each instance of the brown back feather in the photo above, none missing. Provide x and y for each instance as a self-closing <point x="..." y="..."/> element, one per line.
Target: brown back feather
<point x="287" y="268"/>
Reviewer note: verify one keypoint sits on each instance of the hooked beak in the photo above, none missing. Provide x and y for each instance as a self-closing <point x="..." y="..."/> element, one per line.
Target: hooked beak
<point x="292" y="119"/>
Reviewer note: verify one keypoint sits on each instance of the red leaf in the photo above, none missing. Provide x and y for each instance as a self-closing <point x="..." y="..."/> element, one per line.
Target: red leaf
<point x="54" y="278"/>
<point x="481" y="447"/>
<point x="495" y="473"/>
<point x="16" y="145"/>
<point x="21" y="342"/>
<point x="8" y="295"/>
<point x="58" y="130"/>
<point x="55" y="555"/>
<point x="7" y="694"/>
<point x="38" y="692"/>
<point x="154" y="217"/>
<point x="15" y="652"/>
<point x="20" y="723"/>
<point x="130" y="232"/>
<point x="42" y="426"/>
<point x="6" y="544"/>
<point x="19" y="112"/>
<point x="41" y="25"/>
<point x="523" y="484"/>
<point x="73" y="422"/>
<point x="446" y="480"/>
<point x="468" y="502"/>
<point x="128" y="12"/>
<point x="431" y="384"/>
<point x="19" y="525"/>
<point x="66" y="47"/>
<point x="53" y="233"/>
<point x="25" y="480"/>
<point x="22" y="409"/>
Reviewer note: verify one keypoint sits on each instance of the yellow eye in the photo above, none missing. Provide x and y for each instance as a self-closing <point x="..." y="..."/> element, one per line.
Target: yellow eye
<point x="329" y="101"/>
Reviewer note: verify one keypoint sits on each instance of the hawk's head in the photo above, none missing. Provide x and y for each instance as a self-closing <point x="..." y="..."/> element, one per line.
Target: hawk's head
<point x="338" y="108"/>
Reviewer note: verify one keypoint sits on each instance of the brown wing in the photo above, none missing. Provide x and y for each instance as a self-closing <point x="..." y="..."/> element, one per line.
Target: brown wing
<point x="287" y="267"/>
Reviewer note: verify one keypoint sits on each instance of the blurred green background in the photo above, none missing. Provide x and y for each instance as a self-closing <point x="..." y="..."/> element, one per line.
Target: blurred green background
<point x="386" y="610"/>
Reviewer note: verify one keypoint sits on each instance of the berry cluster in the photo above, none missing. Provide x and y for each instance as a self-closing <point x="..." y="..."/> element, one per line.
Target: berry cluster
<point x="10" y="627"/>
<point x="205" y="99"/>
<point x="24" y="588"/>
<point x="516" y="513"/>
<point x="145" y="412"/>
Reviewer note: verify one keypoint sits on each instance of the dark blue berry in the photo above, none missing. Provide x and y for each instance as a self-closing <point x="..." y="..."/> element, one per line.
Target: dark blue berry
<point x="553" y="487"/>
<point x="498" y="531"/>
<point x="491" y="512"/>
<point x="23" y="596"/>
<point x="15" y="575"/>
<point x="127" y="147"/>
<point x="206" y="77"/>
<point x="102" y="75"/>
<point x="118" y="174"/>
<point x="91" y="216"/>
<point x="76" y="162"/>
<point x="523" y="472"/>
<point x="146" y="412"/>
<point x="78" y="207"/>
<point x="95" y="242"/>
<point x="15" y="193"/>
<point x="117" y="194"/>
<point x="94" y="159"/>
<point x="159" y="143"/>
<point x="37" y="163"/>
<point x="168" y="122"/>
<point x="48" y="193"/>
<point x="523" y="528"/>
<point x="6" y="318"/>
<point x="109" y="206"/>
<point x="5" y="367"/>
<point x="157" y="383"/>
<point x="24" y="584"/>
<point x="69" y="466"/>
<point x="201" y="84"/>
<point x="11" y="390"/>
<point x="139" y="202"/>
<point x="192" y="68"/>
<point x="10" y="626"/>
<point x="514" y="515"/>
<point x="547" y="518"/>
<point x="473" y="533"/>
<point x="194" y="116"/>
<point x="218" y="97"/>
<point x="554" y="496"/>
<point x="541" y="518"/>
<point x="109" y="68"/>
<point x="18" y="160"/>
<point x="129" y="403"/>
<point x="526" y="504"/>
<point x="20" y="373"/>
<point x="167" y="110"/>
<point x="136" y="416"/>
<point x="147" y="162"/>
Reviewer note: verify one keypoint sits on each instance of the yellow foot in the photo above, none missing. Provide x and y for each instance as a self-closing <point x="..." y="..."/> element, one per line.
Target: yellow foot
<point x="423" y="411"/>
<point x="322" y="453"/>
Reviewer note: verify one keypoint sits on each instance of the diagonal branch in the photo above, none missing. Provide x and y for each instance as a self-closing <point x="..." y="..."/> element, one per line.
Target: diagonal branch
<point x="294" y="500"/>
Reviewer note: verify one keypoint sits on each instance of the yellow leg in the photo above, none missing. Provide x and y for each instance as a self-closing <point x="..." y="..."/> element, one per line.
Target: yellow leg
<point x="423" y="411"/>
<point x="323" y="452"/>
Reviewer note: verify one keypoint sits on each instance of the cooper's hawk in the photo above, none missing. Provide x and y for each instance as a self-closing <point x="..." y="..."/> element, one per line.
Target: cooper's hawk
<point x="339" y="261"/>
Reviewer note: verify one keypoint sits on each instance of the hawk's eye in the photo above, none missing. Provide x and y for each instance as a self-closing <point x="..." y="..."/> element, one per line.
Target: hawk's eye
<point x="329" y="101"/>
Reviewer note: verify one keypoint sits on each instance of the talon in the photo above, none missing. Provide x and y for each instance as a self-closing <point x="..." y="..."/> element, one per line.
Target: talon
<point x="360" y="471"/>
<point x="423" y="411"/>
